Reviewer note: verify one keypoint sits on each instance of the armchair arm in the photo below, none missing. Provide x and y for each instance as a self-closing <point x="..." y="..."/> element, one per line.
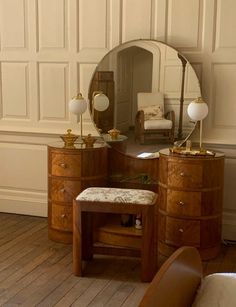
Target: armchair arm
<point x="170" y="115"/>
<point x="139" y="119"/>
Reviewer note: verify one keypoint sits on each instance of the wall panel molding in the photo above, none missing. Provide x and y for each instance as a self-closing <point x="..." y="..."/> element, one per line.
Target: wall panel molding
<point x="15" y="103"/>
<point x="53" y="75"/>
<point x="185" y="17"/>
<point x="136" y="19"/>
<point x="52" y="25"/>
<point x="224" y="90"/>
<point x="93" y="29"/>
<point x="224" y="22"/>
<point x="14" y="25"/>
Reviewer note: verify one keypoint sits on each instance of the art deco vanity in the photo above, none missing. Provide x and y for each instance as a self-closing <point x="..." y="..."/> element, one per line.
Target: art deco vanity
<point x="190" y="188"/>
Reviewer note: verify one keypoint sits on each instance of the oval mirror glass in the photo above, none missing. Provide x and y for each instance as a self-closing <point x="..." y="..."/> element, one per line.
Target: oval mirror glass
<point x="143" y="66"/>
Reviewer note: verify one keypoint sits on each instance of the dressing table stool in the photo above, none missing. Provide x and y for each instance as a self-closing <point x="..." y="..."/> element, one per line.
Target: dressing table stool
<point x="115" y="201"/>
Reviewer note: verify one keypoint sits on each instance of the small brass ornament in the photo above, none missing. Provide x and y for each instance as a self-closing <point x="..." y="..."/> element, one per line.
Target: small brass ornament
<point x="114" y="133"/>
<point x="69" y="139"/>
<point x="89" y="140"/>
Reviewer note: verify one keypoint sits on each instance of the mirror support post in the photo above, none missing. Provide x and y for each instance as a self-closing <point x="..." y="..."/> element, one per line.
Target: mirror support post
<point x="180" y="130"/>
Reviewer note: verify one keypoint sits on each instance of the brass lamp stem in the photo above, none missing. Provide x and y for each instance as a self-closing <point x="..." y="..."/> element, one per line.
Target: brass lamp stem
<point x="200" y="144"/>
<point x="81" y="126"/>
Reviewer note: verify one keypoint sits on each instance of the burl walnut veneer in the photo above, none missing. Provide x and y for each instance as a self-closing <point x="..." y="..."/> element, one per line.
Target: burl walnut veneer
<point x="69" y="172"/>
<point x="190" y="202"/>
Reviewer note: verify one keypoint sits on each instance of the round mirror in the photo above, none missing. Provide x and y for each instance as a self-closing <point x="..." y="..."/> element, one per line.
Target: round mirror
<point x="135" y="69"/>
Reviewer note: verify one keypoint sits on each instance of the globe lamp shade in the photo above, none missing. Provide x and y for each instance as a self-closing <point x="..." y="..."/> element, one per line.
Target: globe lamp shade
<point x="77" y="105"/>
<point x="197" y="109"/>
<point x="100" y="102"/>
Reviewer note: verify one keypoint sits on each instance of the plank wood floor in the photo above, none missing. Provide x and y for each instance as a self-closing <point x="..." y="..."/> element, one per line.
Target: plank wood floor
<point x="35" y="271"/>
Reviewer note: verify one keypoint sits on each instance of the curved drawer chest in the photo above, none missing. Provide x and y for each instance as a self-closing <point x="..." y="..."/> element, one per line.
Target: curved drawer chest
<point x="70" y="171"/>
<point x="190" y="202"/>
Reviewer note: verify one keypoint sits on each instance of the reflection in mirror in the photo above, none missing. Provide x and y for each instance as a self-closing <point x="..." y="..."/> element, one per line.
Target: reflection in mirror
<point x="100" y="102"/>
<point x="143" y="66"/>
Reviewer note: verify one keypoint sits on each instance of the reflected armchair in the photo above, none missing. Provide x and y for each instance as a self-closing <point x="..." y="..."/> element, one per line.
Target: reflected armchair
<point x="151" y="122"/>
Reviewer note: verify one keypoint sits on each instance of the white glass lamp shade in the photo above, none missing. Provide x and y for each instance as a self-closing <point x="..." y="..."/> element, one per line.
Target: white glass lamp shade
<point x="197" y="109"/>
<point x="78" y="105"/>
<point x="100" y="102"/>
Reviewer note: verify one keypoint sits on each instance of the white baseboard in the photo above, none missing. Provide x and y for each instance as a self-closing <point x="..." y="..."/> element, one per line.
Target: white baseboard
<point x="23" y="202"/>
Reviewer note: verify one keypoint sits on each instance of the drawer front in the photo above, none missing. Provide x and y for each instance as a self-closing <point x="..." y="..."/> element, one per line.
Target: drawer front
<point x="182" y="232"/>
<point x="66" y="165"/>
<point x="183" y="203"/>
<point x="184" y="175"/>
<point x="63" y="190"/>
<point x="61" y="217"/>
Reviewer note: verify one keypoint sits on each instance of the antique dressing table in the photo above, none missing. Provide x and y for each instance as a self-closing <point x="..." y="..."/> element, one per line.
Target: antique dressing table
<point x="133" y="67"/>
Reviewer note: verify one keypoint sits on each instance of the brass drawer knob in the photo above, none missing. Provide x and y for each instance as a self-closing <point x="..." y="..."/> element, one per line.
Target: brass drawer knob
<point x="63" y="216"/>
<point x="63" y="165"/>
<point x="182" y="174"/>
<point x="180" y="203"/>
<point x="181" y="230"/>
<point x="62" y="190"/>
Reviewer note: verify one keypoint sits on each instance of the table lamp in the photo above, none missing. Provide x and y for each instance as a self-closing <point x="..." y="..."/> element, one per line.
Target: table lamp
<point x="197" y="111"/>
<point x="100" y="102"/>
<point x="78" y="106"/>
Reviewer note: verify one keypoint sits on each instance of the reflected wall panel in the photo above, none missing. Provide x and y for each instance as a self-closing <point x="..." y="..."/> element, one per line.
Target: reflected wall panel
<point x="191" y="82"/>
<point x="172" y="79"/>
<point x="85" y="71"/>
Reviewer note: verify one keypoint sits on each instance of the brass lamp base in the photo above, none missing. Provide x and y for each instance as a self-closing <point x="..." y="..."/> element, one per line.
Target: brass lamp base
<point x="191" y="152"/>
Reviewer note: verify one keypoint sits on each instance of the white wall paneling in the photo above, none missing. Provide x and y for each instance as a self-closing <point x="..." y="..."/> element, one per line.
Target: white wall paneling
<point x="136" y="19"/>
<point x="15" y="90"/>
<point x="53" y="104"/>
<point x="52" y="27"/>
<point x="93" y="16"/>
<point x="224" y="93"/>
<point x="225" y="21"/>
<point x="24" y="184"/>
<point x="14" y="25"/>
<point x="185" y="17"/>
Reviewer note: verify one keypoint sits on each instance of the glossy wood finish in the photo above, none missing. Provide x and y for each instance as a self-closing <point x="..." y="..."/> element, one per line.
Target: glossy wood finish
<point x="84" y="239"/>
<point x="190" y="202"/>
<point x="69" y="172"/>
<point x="177" y="281"/>
<point x="130" y="172"/>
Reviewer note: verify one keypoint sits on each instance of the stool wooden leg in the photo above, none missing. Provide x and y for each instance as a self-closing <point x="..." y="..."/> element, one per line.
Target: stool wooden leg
<point x="77" y="240"/>
<point x="148" y="249"/>
<point x="87" y="235"/>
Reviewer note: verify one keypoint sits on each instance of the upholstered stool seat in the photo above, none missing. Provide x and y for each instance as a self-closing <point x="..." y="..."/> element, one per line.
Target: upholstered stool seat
<point x="95" y="200"/>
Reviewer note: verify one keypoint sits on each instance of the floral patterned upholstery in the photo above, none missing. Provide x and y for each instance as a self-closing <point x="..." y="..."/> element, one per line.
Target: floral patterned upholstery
<point x="117" y="195"/>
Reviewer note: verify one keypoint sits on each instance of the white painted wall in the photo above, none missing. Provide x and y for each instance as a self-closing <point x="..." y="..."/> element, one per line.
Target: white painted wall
<point x="49" y="53"/>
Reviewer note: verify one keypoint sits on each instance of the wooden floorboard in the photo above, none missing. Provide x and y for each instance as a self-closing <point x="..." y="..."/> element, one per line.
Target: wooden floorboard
<point x="35" y="271"/>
